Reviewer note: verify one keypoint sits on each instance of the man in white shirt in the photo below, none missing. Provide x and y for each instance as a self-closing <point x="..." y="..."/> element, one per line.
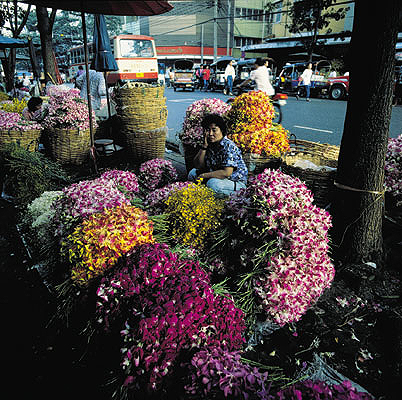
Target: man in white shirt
<point x="261" y="77"/>
<point x="305" y="80"/>
<point x="229" y="77"/>
<point x="25" y="81"/>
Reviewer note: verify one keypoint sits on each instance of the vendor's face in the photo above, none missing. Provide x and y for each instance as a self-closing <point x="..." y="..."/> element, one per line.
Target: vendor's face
<point x="213" y="133"/>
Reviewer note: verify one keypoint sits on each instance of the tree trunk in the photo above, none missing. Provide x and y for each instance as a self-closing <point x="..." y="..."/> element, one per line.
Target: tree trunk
<point x="9" y="69"/>
<point x="45" y="27"/>
<point x="357" y="232"/>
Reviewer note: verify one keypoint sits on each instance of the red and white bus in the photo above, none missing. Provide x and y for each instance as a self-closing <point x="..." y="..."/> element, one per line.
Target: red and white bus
<point x="135" y="56"/>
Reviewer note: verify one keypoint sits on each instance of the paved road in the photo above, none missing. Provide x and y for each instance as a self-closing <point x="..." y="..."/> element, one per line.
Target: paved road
<point x="319" y="120"/>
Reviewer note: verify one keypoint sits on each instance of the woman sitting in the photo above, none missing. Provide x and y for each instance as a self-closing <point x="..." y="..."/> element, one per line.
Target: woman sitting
<point x="219" y="161"/>
<point x="34" y="110"/>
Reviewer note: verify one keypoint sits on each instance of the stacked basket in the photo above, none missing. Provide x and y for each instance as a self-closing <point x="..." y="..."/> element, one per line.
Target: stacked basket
<point x="142" y="111"/>
<point x="28" y="140"/>
<point x="320" y="180"/>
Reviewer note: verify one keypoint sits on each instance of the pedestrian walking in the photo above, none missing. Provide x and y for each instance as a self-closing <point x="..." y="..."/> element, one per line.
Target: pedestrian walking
<point x="97" y="87"/>
<point x="305" y="80"/>
<point x="206" y="74"/>
<point x="198" y="74"/>
<point x="229" y="77"/>
<point x="167" y="77"/>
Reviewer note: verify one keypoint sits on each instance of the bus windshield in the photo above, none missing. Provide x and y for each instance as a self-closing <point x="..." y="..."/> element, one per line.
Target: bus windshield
<point x="136" y="48"/>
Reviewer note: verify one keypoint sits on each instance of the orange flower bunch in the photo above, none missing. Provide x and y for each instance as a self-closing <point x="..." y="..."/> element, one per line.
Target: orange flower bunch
<point x="98" y="242"/>
<point x="251" y="128"/>
<point x="271" y="141"/>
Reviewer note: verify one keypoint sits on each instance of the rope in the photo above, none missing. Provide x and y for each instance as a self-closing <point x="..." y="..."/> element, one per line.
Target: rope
<point x="345" y="187"/>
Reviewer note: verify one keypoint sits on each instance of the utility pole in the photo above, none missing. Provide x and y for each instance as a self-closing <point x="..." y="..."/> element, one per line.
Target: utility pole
<point x="229" y="19"/>
<point x="215" y="30"/>
<point x="202" y="43"/>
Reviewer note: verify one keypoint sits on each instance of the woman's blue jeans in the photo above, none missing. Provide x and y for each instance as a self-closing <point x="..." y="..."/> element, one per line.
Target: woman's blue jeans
<point x="221" y="187"/>
<point x="229" y="83"/>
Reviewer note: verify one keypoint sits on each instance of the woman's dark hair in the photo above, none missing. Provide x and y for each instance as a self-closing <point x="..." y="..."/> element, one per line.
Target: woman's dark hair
<point x="214" y="119"/>
<point x="33" y="102"/>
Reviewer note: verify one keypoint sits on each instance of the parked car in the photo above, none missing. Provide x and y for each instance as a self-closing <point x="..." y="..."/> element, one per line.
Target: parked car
<point x="338" y="87"/>
<point x="183" y="75"/>
<point x="288" y="79"/>
<point x="217" y="80"/>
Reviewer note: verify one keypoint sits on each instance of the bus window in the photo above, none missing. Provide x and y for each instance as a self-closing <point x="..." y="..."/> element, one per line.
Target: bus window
<point x="136" y="48"/>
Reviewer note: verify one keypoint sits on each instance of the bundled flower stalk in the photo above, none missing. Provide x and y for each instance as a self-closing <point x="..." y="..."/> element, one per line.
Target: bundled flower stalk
<point x="167" y="308"/>
<point x="278" y="208"/>
<point x="192" y="132"/>
<point x="250" y="125"/>
<point x="193" y="212"/>
<point x="125" y="181"/>
<point x="156" y="173"/>
<point x="98" y="242"/>
<point x="67" y="110"/>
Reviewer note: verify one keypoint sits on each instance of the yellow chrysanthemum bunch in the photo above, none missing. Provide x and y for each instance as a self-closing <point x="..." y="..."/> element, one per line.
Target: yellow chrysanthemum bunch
<point x="16" y="106"/>
<point x="4" y="96"/>
<point x="251" y="128"/>
<point x="272" y="141"/>
<point x="193" y="212"/>
<point x="98" y="242"/>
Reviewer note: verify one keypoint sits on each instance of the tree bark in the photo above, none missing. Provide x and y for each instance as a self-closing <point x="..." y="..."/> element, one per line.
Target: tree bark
<point x="45" y="27"/>
<point x="357" y="232"/>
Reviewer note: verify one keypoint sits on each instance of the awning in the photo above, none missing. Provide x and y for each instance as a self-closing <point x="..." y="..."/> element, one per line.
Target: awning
<point x="7" y="42"/>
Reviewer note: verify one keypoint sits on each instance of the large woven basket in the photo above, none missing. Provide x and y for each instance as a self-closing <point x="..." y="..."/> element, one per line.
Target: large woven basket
<point x="141" y="118"/>
<point x="138" y="90"/>
<point x="28" y="140"/>
<point x="68" y="146"/>
<point x="256" y="163"/>
<point x="147" y="145"/>
<point x="320" y="182"/>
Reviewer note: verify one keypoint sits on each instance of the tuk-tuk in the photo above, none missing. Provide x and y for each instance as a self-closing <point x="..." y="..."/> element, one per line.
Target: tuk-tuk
<point x="183" y="75"/>
<point x="288" y="79"/>
<point x="243" y="69"/>
<point x="217" y="79"/>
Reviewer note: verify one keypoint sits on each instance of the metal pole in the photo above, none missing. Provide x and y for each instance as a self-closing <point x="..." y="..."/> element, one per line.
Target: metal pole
<point x="228" y="29"/>
<point x="91" y="131"/>
<point x="202" y="43"/>
<point x="215" y="30"/>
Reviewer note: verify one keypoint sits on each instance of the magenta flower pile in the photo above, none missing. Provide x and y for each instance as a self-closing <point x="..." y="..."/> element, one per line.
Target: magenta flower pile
<point x="192" y="132"/>
<point x="216" y="373"/>
<point x="14" y="121"/>
<point x="82" y="199"/>
<point x="277" y="207"/>
<point x="67" y="110"/>
<point x="155" y="201"/>
<point x="167" y="308"/>
<point x="125" y="180"/>
<point x="156" y="173"/>
<point x="393" y="166"/>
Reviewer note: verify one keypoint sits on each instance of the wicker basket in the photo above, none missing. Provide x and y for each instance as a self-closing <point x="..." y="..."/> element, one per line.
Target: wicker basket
<point x="256" y="163"/>
<point x="141" y="90"/>
<point x="28" y="140"/>
<point x="143" y="119"/>
<point x="320" y="182"/>
<point x="147" y="145"/>
<point x="68" y="146"/>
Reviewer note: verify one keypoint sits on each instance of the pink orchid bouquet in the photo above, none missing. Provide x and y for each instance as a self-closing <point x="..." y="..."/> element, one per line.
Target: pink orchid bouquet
<point x="393" y="166"/>
<point x="14" y="121"/>
<point x="277" y="209"/>
<point x="167" y="309"/>
<point x="82" y="199"/>
<point x="157" y="173"/>
<point x="67" y="110"/>
<point x="155" y="201"/>
<point x="216" y="373"/>
<point x="192" y="132"/>
<point x="126" y="181"/>
<point x="99" y="241"/>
